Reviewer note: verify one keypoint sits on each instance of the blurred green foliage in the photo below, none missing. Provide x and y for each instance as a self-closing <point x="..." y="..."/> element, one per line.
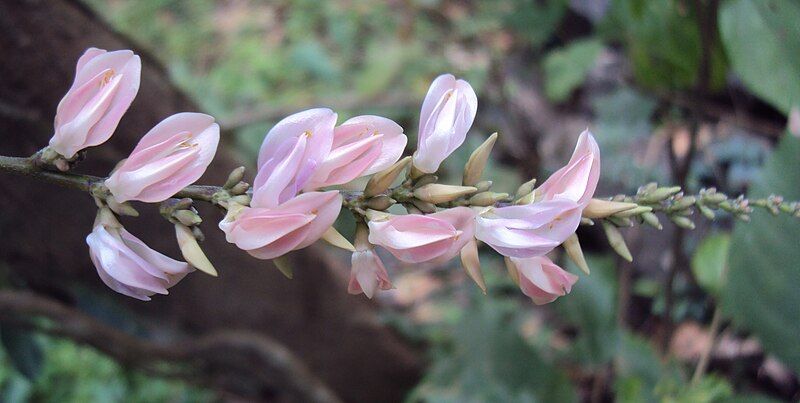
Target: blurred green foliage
<point x="73" y="374"/>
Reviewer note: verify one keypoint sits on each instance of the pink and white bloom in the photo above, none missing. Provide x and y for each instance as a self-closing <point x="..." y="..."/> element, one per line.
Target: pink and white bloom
<point x="368" y="273"/>
<point x="267" y="233"/>
<point x="524" y="231"/>
<point x="577" y="180"/>
<point x="446" y="116"/>
<point x="172" y="155"/>
<point x="528" y="230"/>
<point x="127" y="265"/>
<point x="104" y="86"/>
<point x="291" y="153"/>
<point x="542" y="280"/>
<point x="362" y="146"/>
<point x="415" y="238"/>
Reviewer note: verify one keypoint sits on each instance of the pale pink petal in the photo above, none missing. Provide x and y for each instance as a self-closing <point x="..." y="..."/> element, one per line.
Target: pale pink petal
<point x="577" y="180"/>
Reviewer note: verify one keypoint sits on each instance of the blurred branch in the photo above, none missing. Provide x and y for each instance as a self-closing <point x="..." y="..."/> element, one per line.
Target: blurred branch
<point x="243" y="363"/>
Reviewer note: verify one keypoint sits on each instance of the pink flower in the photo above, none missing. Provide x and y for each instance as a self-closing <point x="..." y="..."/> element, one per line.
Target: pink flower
<point x="172" y="155"/>
<point x="542" y="280"/>
<point x="267" y="233"/>
<point x="104" y="87"/>
<point x="362" y="146"/>
<point x="290" y="155"/>
<point x="576" y="181"/>
<point x="415" y="238"/>
<point x="127" y="265"/>
<point x="525" y="231"/>
<point x="528" y="230"/>
<point x="368" y="273"/>
<point x="447" y="114"/>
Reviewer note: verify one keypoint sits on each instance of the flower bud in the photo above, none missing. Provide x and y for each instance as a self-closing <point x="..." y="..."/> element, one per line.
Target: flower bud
<point x="477" y="161"/>
<point x="283" y="264"/>
<point x="526" y="188"/>
<point x="425" y="180"/>
<point x="597" y="208"/>
<point x="683" y="203"/>
<point x="472" y="265"/>
<point x="437" y="193"/>
<point x="424" y="206"/>
<point x="705" y="211"/>
<point x="187" y="217"/>
<point x="335" y="238"/>
<point x="682" y="222"/>
<point x="121" y="208"/>
<point x="634" y="211"/>
<point x="234" y="177"/>
<point x="381" y="181"/>
<point x="483" y="186"/>
<point x="486" y="198"/>
<point x="380" y="202"/>
<point x="659" y="194"/>
<point x="575" y="253"/>
<point x="239" y="188"/>
<point x="616" y="241"/>
<point x="191" y="250"/>
<point x="651" y="220"/>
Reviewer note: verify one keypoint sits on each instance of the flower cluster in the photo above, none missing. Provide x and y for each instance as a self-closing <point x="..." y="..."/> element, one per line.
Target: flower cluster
<point x="172" y="155"/>
<point x="296" y="195"/>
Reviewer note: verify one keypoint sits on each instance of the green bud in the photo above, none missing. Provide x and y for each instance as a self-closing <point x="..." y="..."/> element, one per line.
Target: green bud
<point x="477" y="161"/>
<point x="187" y="217"/>
<point x="283" y="264"/>
<point x="424" y="206"/>
<point x="437" y="193"/>
<point x="597" y="208"/>
<point x="682" y="222"/>
<point x="683" y="203"/>
<point x="426" y="179"/>
<point x="652" y="220"/>
<point x="705" y="211"/>
<point x="575" y="253"/>
<point x="634" y="211"/>
<point x="121" y="208"/>
<point x="659" y="194"/>
<point x="241" y="199"/>
<point x="380" y="202"/>
<point x="587" y="221"/>
<point x="616" y="241"/>
<point x="191" y="251"/>
<point x="621" y="221"/>
<point x="483" y="186"/>
<point x="381" y="181"/>
<point x="234" y="177"/>
<point x="526" y="188"/>
<point x="484" y="199"/>
<point x="411" y="209"/>
<point x="240" y="188"/>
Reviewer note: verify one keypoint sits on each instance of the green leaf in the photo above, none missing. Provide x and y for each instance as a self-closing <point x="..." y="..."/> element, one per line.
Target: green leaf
<point x="764" y="273"/>
<point x="762" y="39"/>
<point x="565" y="69"/>
<point x="709" y="262"/>
<point x="23" y="350"/>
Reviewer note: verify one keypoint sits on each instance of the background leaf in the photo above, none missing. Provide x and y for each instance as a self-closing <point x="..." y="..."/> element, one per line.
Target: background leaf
<point x="761" y="291"/>
<point x="23" y="350"/>
<point x="565" y="69"/>
<point x="709" y="261"/>
<point x="762" y="39"/>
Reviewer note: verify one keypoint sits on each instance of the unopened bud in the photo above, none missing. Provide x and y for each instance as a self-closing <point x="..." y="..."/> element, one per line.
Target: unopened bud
<point x="380" y="202"/>
<point x="244" y="199"/>
<point x="575" y="253"/>
<point x="526" y="188"/>
<point x="335" y="238"/>
<point x="683" y="203"/>
<point x="234" y="178"/>
<point x="426" y="179"/>
<point x="587" y="221"/>
<point x="437" y="193"/>
<point x="187" y="217"/>
<point x="374" y="215"/>
<point x="513" y="272"/>
<point x="239" y="188"/>
<point x="477" y="161"/>
<point x="620" y="221"/>
<point x="381" y="181"/>
<point x="483" y="186"/>
<point x="652" y="220"/>
<point x="284" y="265"/>
<point x="634" y="211"/>
<point x="659" y="194"/>
<point x="616" y="241"/>
<point x="597" y="208"/>
<point x="705" y="211"/>
<point x="484" y="199"/>
<point x="191" y="250"/>
<point x="682" y="222"/>
<point x="424" y="206"/>
<point x="411" y="209"/>
<point x="648" y="188"/>
<point x="121" y="208"/>
<point x="198" y="234"/>
<point x="527" y="199"/>
<point x="472" y="265"/>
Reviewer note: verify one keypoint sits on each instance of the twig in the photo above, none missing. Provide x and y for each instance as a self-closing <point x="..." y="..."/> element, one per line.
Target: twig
<point x="222" y="359"/>
<point x="705" y="356"/>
